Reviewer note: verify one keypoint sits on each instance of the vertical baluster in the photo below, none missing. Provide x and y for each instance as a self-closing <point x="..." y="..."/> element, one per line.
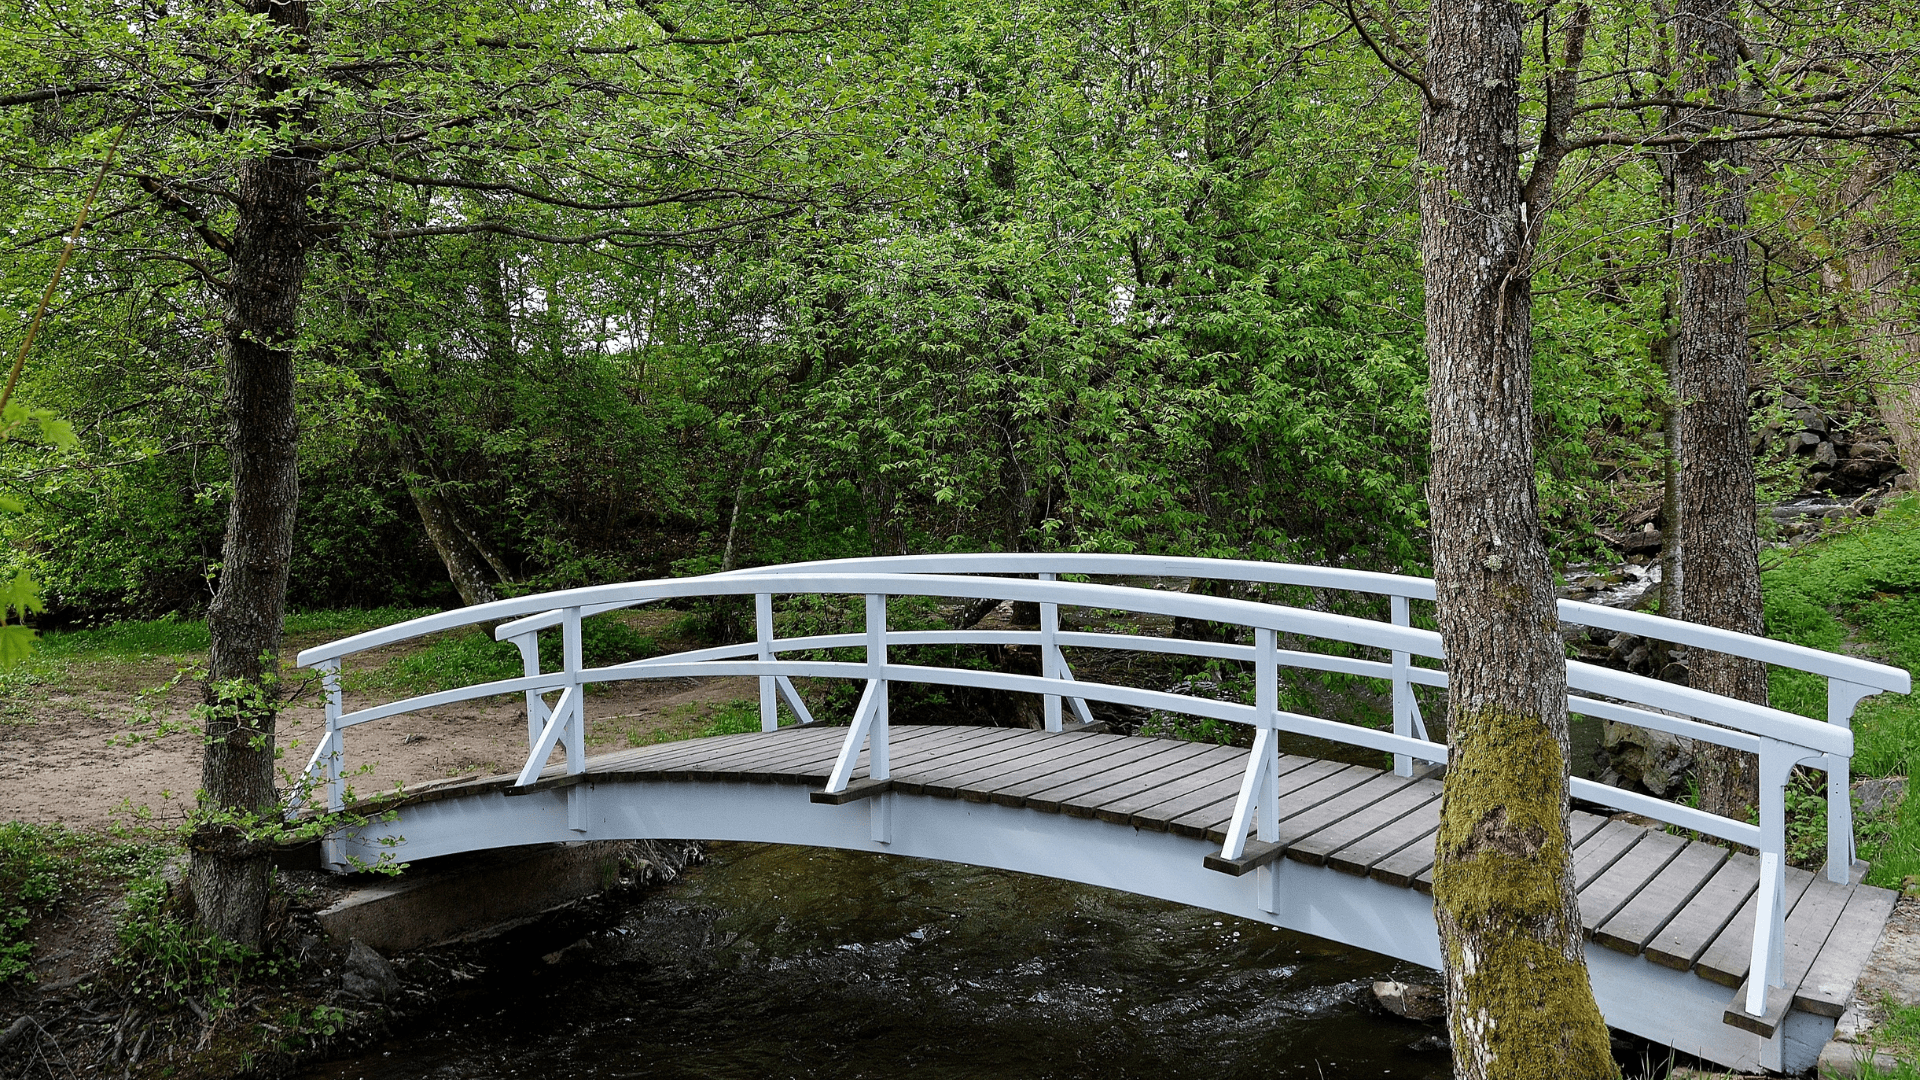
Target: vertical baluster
<point x="1266" y="707"/>
<point x="877" y="768"/>
<point x="763" y="633"/>
<point x="574" y="738"/>
<point x="529" y="646"/>
<point x="1402" y="689"/>
<point x="1050" y="658"/>
<point x="332" y="764"/>
<point x="1841" y="699"/>
<point x="1770" y="930"/>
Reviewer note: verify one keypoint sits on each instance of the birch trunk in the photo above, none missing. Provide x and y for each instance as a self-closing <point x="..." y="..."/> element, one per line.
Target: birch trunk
<point x="1519" y="1001"/>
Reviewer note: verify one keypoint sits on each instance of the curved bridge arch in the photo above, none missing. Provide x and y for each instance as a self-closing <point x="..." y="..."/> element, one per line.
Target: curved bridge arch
<point x="1314" y="846"/>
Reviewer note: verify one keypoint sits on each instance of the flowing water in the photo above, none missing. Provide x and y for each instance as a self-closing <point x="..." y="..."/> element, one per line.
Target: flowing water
<point x="775" y="961"/>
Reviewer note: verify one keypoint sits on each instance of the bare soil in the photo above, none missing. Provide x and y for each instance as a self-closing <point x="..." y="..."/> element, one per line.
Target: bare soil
<point x="65" y="755"/>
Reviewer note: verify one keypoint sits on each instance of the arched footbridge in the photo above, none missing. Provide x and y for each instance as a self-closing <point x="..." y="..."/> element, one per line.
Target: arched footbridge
<point x="1694" y="943"/>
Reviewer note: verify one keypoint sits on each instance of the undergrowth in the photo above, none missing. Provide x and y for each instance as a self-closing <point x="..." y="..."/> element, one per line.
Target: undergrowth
<point x="42" y="866"/>
<point x="1860" y="587"/>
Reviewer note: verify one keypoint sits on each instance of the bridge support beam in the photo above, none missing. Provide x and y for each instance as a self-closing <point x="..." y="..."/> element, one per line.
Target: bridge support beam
<point x="1668" y="1007"/>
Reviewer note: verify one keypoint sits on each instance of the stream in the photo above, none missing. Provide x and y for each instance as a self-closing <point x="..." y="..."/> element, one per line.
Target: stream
<point x="773" y="961"/>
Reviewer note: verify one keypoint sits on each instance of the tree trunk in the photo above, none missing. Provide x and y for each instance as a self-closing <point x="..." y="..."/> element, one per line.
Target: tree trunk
<point x="1719" y="564"/>
<point x="450" y="538"/>
<point x="267" y="267"/>
<point x="1518" y="996"/>
<point x="1877" y="275"/>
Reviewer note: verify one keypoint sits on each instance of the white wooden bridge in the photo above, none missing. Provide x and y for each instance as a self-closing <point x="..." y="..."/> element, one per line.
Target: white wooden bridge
<point x="1733" y="957"/>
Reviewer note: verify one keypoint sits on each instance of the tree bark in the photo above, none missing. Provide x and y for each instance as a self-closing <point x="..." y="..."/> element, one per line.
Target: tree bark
<point x="1877" y="273"/>
<point x="1519" y="1000"/>
<point x="458" y="551"/>
<point x="1719" y="565"/>
<point x="267" y="267"/>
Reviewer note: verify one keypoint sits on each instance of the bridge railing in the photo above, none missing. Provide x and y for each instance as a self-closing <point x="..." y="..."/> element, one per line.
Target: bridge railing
<point x="1781" y="740"/>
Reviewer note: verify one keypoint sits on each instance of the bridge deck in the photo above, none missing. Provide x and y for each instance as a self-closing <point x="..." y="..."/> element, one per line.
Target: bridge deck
<point x="1684" y="904"/>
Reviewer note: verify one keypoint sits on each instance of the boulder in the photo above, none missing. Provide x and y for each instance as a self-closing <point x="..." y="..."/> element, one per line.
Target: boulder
<point x="1650" y="760"/>
<point x="367" y="974"/>
<point x="1411" y="1000"/>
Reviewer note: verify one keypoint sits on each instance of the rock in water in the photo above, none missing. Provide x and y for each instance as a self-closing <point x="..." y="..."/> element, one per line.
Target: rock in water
<point x="367" y="973"/>
<point x="1413" y="1001"/>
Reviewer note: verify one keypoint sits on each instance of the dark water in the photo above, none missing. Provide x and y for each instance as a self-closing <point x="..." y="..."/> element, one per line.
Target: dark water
<point x="797" y="962"/>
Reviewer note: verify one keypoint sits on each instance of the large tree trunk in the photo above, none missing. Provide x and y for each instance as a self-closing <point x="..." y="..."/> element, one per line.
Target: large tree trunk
<point x="267" y="266"/>
<point x="1877" y="273"/>
<point x="1719" y="566"/>
<point x="460" y="554"/>
<point x="1518" y="996"/>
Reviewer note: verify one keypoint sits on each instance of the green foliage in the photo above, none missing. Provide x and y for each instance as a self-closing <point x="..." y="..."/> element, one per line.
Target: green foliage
<point x="733" y="718"/>
<point x="164" y="960"/>
<point x="42" y="864"/>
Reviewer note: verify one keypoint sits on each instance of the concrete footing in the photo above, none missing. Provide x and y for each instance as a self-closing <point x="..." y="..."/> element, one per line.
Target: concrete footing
<point x="441" y="900"/>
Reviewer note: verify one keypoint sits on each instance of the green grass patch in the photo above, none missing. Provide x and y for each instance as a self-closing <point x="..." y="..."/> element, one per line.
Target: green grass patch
<point x="41" y="865"/>
<point x="470" y="655"/>
<point x="1863" y="586"/>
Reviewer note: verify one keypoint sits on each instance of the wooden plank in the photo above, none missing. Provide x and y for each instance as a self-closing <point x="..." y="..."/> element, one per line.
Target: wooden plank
<point x="1621" y="882"/>
<point x="1726" y="960"/>
<point x="1413" y="800"/>
<point x="1411" y="864"/>
<point x="1602" y="849"/>
<point x="1058" y="754"/>
<point x="1808" y="928"/>
<point x="942" y="778"/>
<point x="815" y="762"/>
<point x="1629" y="929"/>
<point x="1223" y="764"/>
<point x="1581" y="826"/>
<point x="1167" y="770"/>
<point x="1056" y="797"/>
<point x="1298" y="828"/>
<point x="1017" y="794"/>
<point x="1294" y="771"/>
<point x="1374" y="849"/>
<point x="1299" y="801"/>
<point x="1829" y="983"/>
<point x="909" y="758"/>
<point x="1691" y="930"/>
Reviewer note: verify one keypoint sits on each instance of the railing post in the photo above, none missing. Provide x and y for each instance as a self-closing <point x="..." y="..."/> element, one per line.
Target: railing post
<point x="574" y="738"/>
<point x="769" y="689"/>
<point x="332" y="764"/>
<point x="1050" y="658"/>
<point x="1266" y="707"/>
<point x="1770" y="916"/>
<point x="877" y="768"/>
<point x="529" y="646"/>
<point x="1403" y="705"/>
<point x="1842" y="697"/>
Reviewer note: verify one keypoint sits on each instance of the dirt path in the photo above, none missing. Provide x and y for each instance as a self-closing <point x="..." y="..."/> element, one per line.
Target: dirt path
<point x="64" y="758"/>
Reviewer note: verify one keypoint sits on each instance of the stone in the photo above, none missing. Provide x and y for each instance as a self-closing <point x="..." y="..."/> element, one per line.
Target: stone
<point x="1906" y="482"/>
<point x="1411" y="1000"/>
<point x="1647" y="759"/>
<point x="1873" y="796"/>
<point x="1845" y="1060"/>
<point x="367" y="974"/>
<point x="1825" y="454"/>
<point x="1807" y="440"/>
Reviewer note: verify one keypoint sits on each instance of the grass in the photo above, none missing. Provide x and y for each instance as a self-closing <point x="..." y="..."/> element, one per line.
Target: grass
<point x="43" y="865"/>
<point x="1860" y="587"/>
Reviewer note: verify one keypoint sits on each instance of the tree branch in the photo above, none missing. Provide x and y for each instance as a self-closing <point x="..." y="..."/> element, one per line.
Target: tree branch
<point x="1426" y="91"/>
<point x="192" y="214"/>
<point x="54" y="93"/>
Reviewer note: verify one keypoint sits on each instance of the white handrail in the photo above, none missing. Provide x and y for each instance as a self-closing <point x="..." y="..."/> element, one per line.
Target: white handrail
<point x="1783" y="740"/>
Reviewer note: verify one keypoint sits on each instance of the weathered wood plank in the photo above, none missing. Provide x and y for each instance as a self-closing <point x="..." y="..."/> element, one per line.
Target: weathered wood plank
<point x="942" y="778"/>
<point x="1018" y="794"/>
<point x="1224" y="766"/>
<point x="1808" y="927"/>
<point x="1829" y="983"/>
<point x="1166" y="770"/>
<point x="1374" y="849"/>
<point x="1629" y="929"/>
<point x="1296" y="802"/>
<point x="1602" y="849"/>
<point x="1621" y="882"/>
<point x="1726" y="960"/>
<point x="1412" y="802"/>
<point x="1054" y="799"/>
<point x="1295" y="772"/>
<point x="1691" y="930"/>
<point x="981" y="786"/>
<point x="1310" y="822"/>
